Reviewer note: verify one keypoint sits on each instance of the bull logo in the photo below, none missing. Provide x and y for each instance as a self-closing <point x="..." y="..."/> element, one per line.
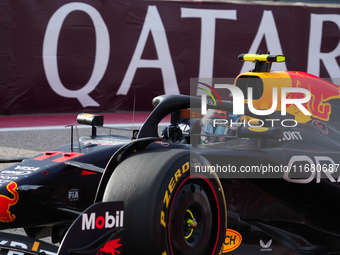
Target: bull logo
<point x="321" y="91"/>
<point x="7" y="202"/>
<point x="110" y="248"/>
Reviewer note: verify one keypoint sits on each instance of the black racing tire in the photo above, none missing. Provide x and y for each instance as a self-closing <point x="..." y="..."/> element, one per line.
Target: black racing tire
<point x="167" y="209"/>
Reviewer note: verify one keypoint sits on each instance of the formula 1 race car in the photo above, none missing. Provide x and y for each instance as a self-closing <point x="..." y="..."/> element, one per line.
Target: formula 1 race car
<point x="255" y="172"/>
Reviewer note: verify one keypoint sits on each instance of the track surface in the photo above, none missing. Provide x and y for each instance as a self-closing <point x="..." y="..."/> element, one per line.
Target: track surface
<point x="57" y="120"/>
<point x="27" y="136"/>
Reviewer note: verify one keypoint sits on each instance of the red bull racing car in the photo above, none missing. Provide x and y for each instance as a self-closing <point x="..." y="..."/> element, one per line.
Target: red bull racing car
<point x="247" y="168"/>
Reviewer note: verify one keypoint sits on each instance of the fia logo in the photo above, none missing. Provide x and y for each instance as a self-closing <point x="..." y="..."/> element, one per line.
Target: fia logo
<point x="73" y="194"/>
<point x="266" y="246"/>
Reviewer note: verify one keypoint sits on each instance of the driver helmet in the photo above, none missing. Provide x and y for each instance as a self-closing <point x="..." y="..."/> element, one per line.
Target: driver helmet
<point x="216" y="126"/>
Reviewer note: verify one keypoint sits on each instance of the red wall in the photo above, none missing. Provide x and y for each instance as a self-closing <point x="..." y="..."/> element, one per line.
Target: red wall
<point x="64" y="56"/>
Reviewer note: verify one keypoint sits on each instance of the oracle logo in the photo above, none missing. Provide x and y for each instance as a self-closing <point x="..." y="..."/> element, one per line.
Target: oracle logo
<point x="92" y="221"/>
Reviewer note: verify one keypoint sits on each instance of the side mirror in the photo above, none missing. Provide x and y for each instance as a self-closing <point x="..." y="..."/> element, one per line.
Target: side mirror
<point x="92" y="120"/>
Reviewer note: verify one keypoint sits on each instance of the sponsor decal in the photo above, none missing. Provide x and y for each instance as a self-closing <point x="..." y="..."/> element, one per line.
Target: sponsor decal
<point x="321" y="92"/>
<point x="164" y="144"/>
<point x="6" y="202"/>
<point x="291" y="136"/>
<point x="320" y="126"/>
<point x="8" y="175"/>
<point x="304" y="169"/>
<point x="92" y="221"/>
<point x="4" y="179"/>
<point x="220" y="114"/>
<point x="98" y="221"/>
<point x="232" y="240"/>
<point x="35" y="247"/>
<point x="86" y="115"/>
<point x="110" y="247"/>
<point x="266" y="246"/>
<point x="27" y="168"/>
<point x="174" y="179"/>
<point x="13" y="172"/>
<point x="258" y="129"/>
<point x="17" y="171"/>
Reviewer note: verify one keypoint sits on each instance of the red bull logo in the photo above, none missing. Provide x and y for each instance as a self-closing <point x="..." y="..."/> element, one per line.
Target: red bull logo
<point x="321" y="91"/>
<point x="6" y="202"/>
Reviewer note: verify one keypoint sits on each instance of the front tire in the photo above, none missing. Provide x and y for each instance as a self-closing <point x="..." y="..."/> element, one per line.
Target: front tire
<point x="167" y="210"/>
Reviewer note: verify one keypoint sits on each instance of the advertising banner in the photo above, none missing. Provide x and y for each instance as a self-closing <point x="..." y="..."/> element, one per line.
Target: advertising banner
<point x="66" y="56"/>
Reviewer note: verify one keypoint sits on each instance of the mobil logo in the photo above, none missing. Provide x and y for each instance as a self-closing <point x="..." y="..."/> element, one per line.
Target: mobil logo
<point x="108" y="220"/>
<point x="96" y="223"/>
<point x="321" y="91"/>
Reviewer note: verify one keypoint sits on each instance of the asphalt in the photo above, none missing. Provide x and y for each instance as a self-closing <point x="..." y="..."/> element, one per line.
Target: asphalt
<point x="57" y="120"/>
